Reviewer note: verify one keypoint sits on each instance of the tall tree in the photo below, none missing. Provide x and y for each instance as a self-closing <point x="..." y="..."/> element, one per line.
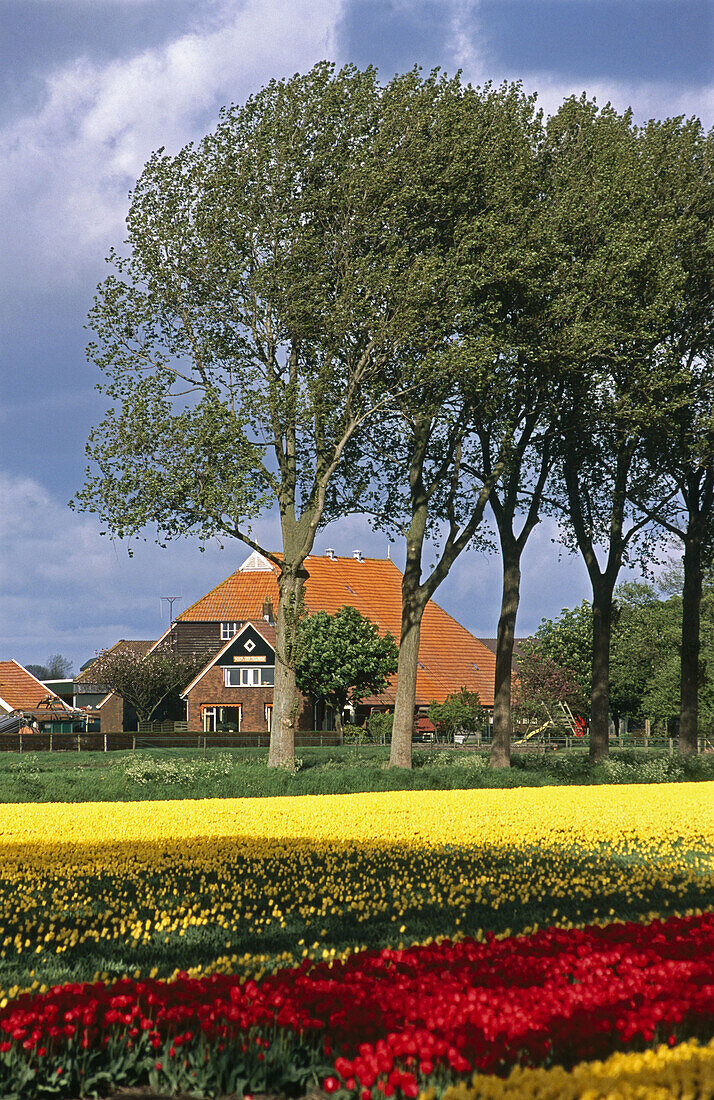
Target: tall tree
<point x="432" y="487"/>
<point x="535" y="382"/>
<point x="270" y="274"/>
<point x="682" y="448"/>
<point x="519" y="495"/>
<point x="620" y="275"/>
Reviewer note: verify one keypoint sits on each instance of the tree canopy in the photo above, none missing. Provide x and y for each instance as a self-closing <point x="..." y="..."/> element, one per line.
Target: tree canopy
<point x="405" y="300"/>
<point x="271" y="273"/>
<point x="341" y="658"/>
<point x="445" y="441"/>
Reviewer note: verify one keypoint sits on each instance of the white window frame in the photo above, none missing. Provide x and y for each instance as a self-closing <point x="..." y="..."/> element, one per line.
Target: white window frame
<point x="215" y="714"/>
<point x="249" y="675"/>
<point x="229" y="629"/>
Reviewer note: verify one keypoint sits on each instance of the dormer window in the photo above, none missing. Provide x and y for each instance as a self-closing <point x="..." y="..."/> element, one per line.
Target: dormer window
<point x="228" y="629"/>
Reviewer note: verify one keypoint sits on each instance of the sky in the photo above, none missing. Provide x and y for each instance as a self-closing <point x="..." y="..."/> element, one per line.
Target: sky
<point x="89" y="89"/>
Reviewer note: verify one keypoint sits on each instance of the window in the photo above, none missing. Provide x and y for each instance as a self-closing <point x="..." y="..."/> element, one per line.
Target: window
<point x="228" y="629"/>
<point x="249" y="677"/>
<point x="221" y="719"/>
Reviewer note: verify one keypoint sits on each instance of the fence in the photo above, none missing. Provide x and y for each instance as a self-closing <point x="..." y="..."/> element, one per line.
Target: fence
<point x="109" y="742"/>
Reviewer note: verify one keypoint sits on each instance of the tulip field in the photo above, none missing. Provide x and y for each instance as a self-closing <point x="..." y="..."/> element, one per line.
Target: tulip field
<point x="532" y="942"/>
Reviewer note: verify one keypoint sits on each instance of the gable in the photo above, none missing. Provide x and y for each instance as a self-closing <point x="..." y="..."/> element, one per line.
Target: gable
<point x="249" y="647"/>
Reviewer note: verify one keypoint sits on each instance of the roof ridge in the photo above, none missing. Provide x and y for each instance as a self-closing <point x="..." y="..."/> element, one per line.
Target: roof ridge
<point x="27" y="672"/>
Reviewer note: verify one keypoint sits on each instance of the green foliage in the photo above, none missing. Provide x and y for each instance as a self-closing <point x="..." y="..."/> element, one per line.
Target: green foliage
<point x="568" y="640"/>
<point x="461" y="712"/>
<point x="352" y="734"/>
<point x="272" y="272"/>
<point x="379" y="726"/>
<point x="274" y="276"/>
<point x="180" y="773"/>
<point x="461" y="761"/>
<point x="644" y="651"/>
<point x="342" y="658"/>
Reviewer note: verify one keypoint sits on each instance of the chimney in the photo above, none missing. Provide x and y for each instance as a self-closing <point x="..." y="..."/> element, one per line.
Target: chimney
<point x="330" y="553"/>
<point x="268" y="610"/>
<point x="357" y="554"/>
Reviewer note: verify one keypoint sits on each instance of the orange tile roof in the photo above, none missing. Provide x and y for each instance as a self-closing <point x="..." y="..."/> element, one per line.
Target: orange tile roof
<point x="19" y="689"/>
<point x="449" y="656"/>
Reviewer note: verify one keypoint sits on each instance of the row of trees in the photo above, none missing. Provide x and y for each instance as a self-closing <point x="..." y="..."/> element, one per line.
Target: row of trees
<point x="644" y="654"/>
<point x="419" y="301"/>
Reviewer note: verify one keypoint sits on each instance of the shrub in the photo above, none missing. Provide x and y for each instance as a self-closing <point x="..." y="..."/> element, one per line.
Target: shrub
<point x="379" y="727"/>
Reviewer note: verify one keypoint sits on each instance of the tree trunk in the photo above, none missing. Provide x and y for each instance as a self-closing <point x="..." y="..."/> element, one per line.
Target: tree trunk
<point x="600" y="698"/>
<point x="286" y="700"/>
<point x="401" y="752"/>
<point x="689" y="674"/>
<point x="502" y="721"/>
<point x="338" y="724"/>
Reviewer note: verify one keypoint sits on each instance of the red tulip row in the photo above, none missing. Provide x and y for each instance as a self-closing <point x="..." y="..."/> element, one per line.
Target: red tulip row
<point x="390" y="1020"/>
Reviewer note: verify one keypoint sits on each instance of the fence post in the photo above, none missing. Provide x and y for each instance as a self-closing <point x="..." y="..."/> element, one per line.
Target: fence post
<point x="670" y="746"/>
<point x="105" y="740"/>
<point x="647" y="732"/>
<point x="79" y="747"/>
<point x="204" y="746"/>
<point x="50" y="739"/>
<point x="20" y="740"/>
<point x="133" y="743"/>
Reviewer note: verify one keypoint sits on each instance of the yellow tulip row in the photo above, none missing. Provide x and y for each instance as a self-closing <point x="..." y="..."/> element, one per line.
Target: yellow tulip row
<point x="662" y="817"/>
<point x="666" y="1073"/>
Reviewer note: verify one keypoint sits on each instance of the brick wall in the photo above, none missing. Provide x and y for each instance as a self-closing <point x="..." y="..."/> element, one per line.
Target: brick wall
<point x="210" y="691"/>
<point x="111" y="716"/>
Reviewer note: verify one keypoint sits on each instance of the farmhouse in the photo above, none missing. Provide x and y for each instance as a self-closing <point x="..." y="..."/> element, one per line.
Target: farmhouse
<point x="233" y="626"/>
